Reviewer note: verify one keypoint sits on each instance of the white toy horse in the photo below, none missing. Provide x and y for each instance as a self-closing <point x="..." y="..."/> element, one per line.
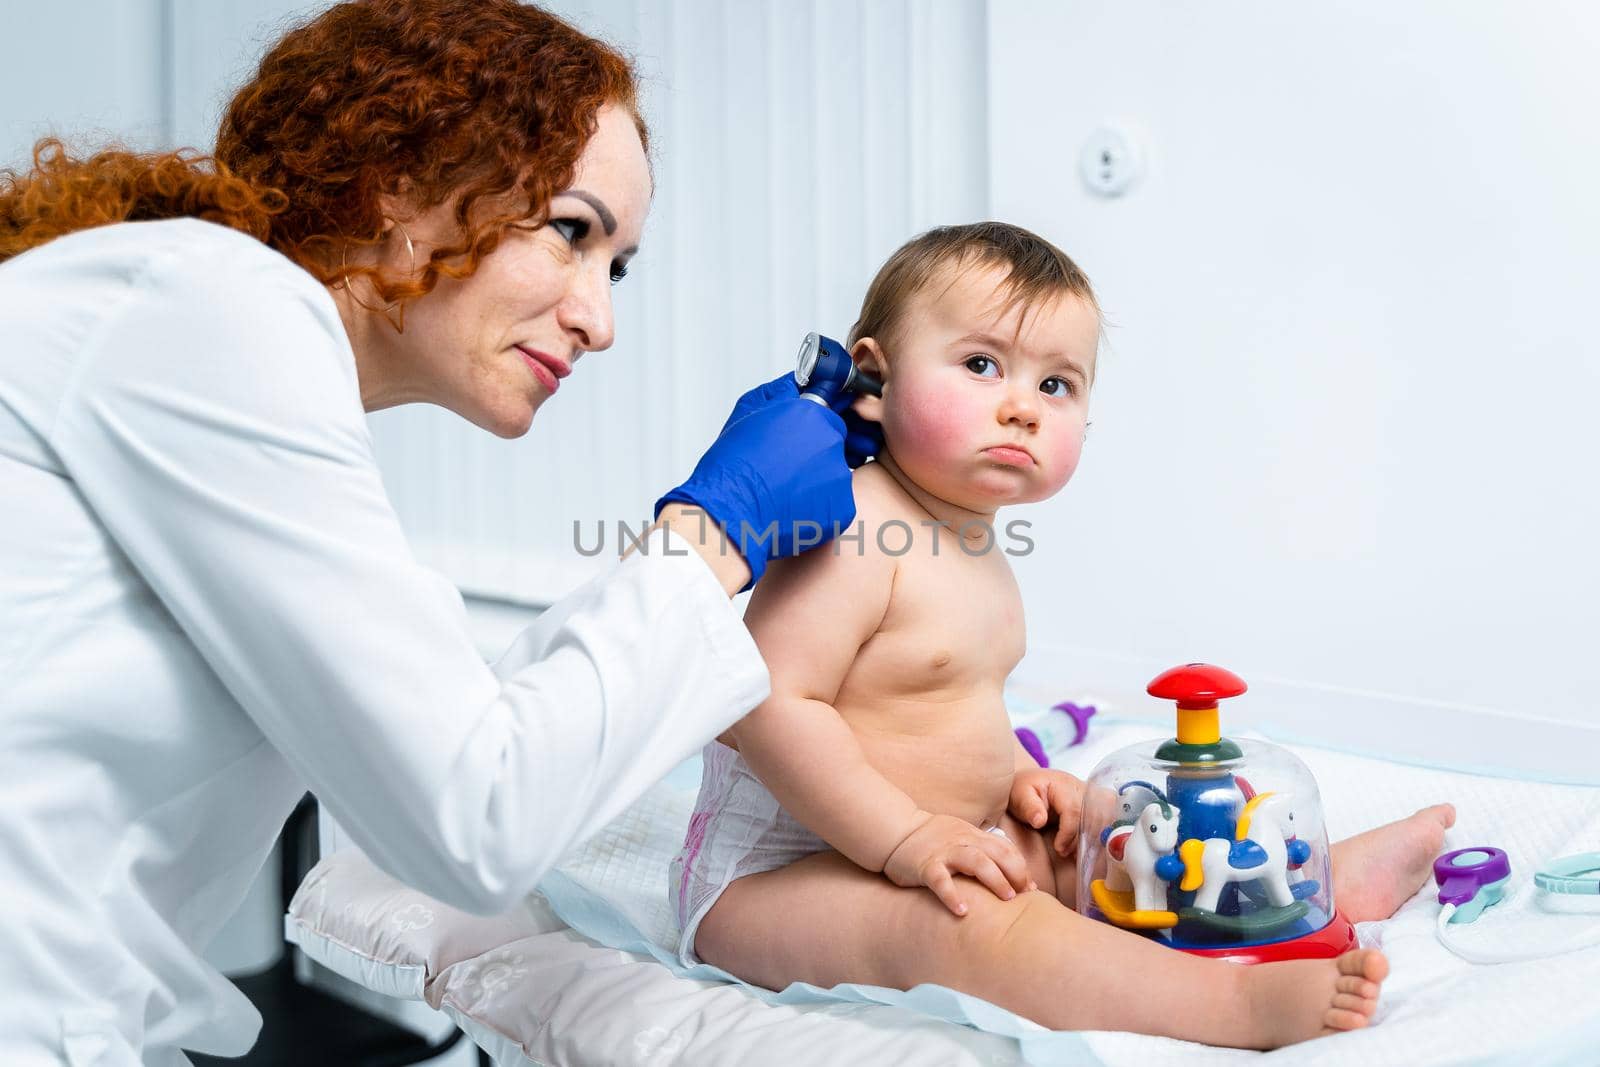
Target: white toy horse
<point x="1132" y="799"/>
<point x="1259" y="853"/>
<point x="1139" y="855"/>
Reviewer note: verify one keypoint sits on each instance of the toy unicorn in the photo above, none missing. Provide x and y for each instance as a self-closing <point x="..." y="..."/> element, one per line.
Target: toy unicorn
<point x="1132" y="799"/>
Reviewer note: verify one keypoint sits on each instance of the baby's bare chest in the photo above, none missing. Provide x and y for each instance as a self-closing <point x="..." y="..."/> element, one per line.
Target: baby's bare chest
<point x="953" y="622"/>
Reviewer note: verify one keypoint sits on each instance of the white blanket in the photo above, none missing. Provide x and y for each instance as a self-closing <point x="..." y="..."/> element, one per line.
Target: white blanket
<point x="546" y="994"/>
<point x="1436" y="1008"/>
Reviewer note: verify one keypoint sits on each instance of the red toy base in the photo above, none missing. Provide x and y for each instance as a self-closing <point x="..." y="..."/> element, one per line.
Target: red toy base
<point x="1335" y="939"/>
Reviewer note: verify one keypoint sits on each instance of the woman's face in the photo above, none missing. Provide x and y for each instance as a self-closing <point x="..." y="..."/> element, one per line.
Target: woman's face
<point x="494" y="346"/>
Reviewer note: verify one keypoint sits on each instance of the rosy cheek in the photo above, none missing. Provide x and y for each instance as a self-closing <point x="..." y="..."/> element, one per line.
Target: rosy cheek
<point x="930" y="423"/>
<point x="1063" y="459"/>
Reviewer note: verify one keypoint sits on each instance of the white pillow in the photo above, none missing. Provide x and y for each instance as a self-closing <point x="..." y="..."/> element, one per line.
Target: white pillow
<point x="531" y="991"/>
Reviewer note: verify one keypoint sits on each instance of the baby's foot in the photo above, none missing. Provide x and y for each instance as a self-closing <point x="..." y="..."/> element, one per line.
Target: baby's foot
<point x="1303" y="999"/>
<point x="1376" y="872"/>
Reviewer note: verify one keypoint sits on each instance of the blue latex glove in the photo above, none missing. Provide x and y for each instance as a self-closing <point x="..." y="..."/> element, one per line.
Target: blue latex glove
<point x="862" y="440"/>
<point x="776" y="478"/>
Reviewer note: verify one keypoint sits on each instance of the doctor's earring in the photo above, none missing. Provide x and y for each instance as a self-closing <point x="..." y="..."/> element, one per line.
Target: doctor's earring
<point x="397" y="321"/>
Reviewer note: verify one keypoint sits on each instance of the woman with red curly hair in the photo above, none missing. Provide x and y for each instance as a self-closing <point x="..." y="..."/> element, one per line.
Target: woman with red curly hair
<point x="207" y="605"/>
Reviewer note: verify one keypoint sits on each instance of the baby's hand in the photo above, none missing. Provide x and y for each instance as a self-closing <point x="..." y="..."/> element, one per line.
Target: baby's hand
<point x="943" y="846"/>
<point x="1038" y="794"/>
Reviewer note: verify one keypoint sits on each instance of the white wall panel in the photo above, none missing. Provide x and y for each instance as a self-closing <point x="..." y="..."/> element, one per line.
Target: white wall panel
<point x="1343" y="434"/>
<point x="88" y="72"/>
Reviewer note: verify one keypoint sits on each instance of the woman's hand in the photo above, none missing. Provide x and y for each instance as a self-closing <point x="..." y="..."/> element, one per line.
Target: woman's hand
<point x="863" y="438"/>
<point x="777" y="478"/>
<point x="1038" y="795"/>
<point x="943" y="846"/>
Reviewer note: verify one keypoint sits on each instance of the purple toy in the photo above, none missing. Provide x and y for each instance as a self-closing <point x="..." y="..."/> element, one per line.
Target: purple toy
<point x="1036" y="745"/>
<point x="1461" y="873"/>
<point x="1472" y="879"/>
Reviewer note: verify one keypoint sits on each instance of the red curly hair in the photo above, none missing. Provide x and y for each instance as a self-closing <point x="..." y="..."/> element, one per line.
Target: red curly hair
<point x="486" y="103"/>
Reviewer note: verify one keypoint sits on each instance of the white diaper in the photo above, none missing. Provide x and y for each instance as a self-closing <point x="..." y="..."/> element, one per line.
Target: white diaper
<point x="737" y="828"/>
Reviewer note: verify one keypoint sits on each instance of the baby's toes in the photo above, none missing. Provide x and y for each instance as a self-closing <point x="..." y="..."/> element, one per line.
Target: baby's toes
<point x="1353" y="1002"/>
<point x="1345" y="1019"/>
<point x="1444" y="813"/>
<point x="1355" y="985"/>
<point x="1366" y="963"/>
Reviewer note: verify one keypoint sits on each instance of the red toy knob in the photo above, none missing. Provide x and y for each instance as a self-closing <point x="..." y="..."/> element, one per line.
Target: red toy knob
<point x="1196" y="686"/>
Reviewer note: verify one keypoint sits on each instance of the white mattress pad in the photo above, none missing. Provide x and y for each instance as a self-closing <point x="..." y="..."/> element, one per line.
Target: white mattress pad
<point x="586" y="975"/>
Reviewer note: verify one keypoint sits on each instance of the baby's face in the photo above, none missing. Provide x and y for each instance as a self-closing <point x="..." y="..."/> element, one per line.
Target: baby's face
<point x="977" y="412"/>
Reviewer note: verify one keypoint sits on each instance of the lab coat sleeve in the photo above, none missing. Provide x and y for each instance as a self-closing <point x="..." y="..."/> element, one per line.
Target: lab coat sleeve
<point x="215" y="428"/>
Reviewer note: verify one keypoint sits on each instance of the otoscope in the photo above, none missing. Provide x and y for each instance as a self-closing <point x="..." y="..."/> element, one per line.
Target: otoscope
<point x="826" y="370"/>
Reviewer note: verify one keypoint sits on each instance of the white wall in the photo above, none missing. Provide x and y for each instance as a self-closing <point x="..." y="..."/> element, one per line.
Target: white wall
<point x="82" y="71"/>
<point x="1343" y="436"/>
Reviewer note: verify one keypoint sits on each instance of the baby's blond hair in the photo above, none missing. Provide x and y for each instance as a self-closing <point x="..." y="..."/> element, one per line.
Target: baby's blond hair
<point x="1038" y="271"/>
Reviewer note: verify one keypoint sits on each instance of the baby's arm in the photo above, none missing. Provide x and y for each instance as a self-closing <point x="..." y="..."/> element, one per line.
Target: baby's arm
<point x="810" y="616"/>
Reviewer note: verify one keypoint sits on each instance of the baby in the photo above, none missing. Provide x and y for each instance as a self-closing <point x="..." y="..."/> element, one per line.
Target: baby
<point x="876" y="820"/>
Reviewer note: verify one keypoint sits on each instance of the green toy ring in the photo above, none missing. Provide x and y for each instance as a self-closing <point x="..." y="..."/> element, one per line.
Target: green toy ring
<point x="1572" y="875"/>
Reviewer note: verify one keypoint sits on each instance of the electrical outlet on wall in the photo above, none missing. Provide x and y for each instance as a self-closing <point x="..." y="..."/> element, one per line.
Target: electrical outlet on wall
<point x="1111" y="162"/>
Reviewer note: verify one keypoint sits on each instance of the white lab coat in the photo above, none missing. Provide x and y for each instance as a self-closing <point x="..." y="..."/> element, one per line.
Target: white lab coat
<point x="207" y="606"/>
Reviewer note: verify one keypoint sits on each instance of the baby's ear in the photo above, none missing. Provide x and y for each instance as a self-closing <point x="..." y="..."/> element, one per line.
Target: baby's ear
<point x="868" y="357"/>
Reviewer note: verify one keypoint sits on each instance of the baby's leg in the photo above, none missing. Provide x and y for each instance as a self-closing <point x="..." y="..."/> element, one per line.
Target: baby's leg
<point x="1373" y="873"/>
<point x="1376" y="872"/>
<point x="1051" y="872"/>
<point x="825" y="921"/>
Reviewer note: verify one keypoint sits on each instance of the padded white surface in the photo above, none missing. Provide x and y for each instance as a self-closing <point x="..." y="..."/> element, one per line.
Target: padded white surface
<point x="528" y="989"/>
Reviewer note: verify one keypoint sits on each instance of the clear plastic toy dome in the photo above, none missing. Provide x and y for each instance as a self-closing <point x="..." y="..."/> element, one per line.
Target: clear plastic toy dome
<point x="1206" y="843"/>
